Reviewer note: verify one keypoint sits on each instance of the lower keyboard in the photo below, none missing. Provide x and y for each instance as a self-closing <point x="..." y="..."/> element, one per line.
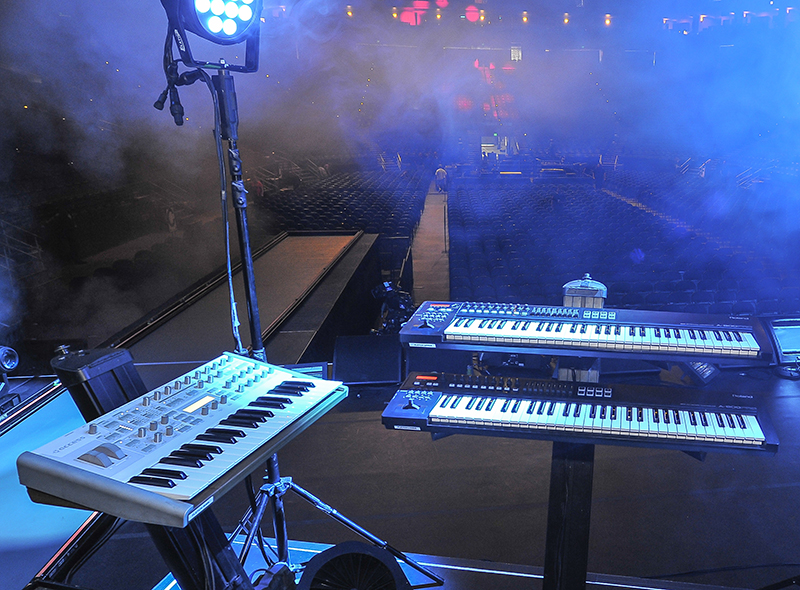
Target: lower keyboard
<point x="581" y="412"/>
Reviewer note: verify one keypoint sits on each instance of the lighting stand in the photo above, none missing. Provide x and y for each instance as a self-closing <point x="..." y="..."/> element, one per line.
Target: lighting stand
<point x="274" y="488"/>
<point x="229" y="131"/>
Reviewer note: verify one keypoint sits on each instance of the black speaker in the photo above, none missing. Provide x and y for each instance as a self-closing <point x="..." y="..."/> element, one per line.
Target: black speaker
<point x="353" y="566"/>
<point x="99" y="380"/>
<point x="368" y="359"/>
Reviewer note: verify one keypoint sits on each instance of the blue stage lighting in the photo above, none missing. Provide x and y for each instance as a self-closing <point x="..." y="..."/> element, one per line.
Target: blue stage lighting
<point x="225" y="22"/>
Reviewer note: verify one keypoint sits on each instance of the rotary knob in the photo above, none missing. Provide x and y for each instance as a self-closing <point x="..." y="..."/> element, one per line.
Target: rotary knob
<point x="92" y="428"/>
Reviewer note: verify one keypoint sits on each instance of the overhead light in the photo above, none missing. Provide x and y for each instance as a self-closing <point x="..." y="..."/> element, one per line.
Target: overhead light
<point x="224" y="22"/>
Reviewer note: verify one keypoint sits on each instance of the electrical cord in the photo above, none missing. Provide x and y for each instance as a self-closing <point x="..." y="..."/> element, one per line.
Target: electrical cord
<point x="176" y="109"/>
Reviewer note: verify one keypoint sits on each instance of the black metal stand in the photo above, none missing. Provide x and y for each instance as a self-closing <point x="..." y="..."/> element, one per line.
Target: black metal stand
<point x="273" y="491"/>
<point x="200" y="556"/>
<point x="569" y="508"/>
<point x="229" y="131"/>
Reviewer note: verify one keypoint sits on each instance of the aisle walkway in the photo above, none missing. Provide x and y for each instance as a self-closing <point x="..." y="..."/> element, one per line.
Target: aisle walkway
<point x="429" y="251"/>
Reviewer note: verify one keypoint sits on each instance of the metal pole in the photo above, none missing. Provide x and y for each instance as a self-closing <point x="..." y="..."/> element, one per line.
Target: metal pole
<point x="229" y="123"/>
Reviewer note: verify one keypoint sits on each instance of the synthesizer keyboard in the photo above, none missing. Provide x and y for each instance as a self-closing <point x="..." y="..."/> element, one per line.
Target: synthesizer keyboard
<point x="167" y="455"/>
<point x="569" y="331"/>
<point x="621" y="414"/>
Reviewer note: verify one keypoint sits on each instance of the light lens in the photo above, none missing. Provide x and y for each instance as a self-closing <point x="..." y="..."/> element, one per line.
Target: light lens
<point x="214" y="24"/>
<point x="231" y="18"/>
<point x="217" y="7"/>
<point x="229" y="27"/>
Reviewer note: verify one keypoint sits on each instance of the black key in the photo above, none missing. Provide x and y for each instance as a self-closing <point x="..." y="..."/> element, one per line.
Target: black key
<point x="676" y="416"/>
<point x="613" y="412"/>
<point x="456" y="401"/>
<point x="577" y="413"/>
<point x="250" y="415"/>
<point x="152" y="481"/>
<point x="505" y="405"/>
<point x="490" y="405"/>
<point x="602" y="412"/>
<point x="530" y="407"/>
<point x="197" y="447"/>
<point x="165" y="473"/>
<point x="481" y="403"/>
<point x="273" y="405"/>
<point x="515" y="407"/>
<point x="542" y="406"/>
<point x="692" y="419"/>
<point x="192" y="454"/>
<point x="740" y="420"/>
<point x="703" y="419"/>
<point x="567" y="407"/>
<point x="729" y="418"/>
<point x="271" y="398"/>
<point x="639" y="415"/>
<point x="629" y="414"/>
<point x="445" y="400"/>
<point x="551" y="408"/>
<point x="220" y="438"/>
<point x="655" y="416"/>
<point x="182" y="461"/>
<point x="657" y="332"/>
<point x="666" y="416"/>
<point x="720" y="421"/>
<point x="226" y="431"/>
<point x="239" y="422"/>
<point x="471" y="403"/>
<point x="295" y="383"/>
<point x="593" y="412"/>
<point x="583" y="328"/>
<point x="692" y="335"/>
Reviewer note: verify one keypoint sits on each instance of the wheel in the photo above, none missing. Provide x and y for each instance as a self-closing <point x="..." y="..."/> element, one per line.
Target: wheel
<point x="353" y="566"/>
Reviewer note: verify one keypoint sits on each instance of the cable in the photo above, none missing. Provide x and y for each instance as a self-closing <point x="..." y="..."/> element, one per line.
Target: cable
<point x="239" y="349"/>
<point x="730" y="568"/>
<point x="173" y="81"/>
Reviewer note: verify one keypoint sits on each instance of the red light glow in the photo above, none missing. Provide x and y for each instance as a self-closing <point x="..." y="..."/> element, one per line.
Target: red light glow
<point x="472" y="14"/>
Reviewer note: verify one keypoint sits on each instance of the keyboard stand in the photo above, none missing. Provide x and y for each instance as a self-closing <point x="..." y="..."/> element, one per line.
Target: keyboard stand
<point x="272" y="492"/>
<point x="200" y="555"/>
<point x="568" y="515"/>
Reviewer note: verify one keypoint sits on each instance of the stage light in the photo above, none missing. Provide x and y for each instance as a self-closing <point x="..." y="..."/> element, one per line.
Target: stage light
<point x="608" y="20"/>
<point x="225" y="22"/>
<point x="525" y="16"/>
<point x="9" y="359"/>
<point x="566" y="18"/>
